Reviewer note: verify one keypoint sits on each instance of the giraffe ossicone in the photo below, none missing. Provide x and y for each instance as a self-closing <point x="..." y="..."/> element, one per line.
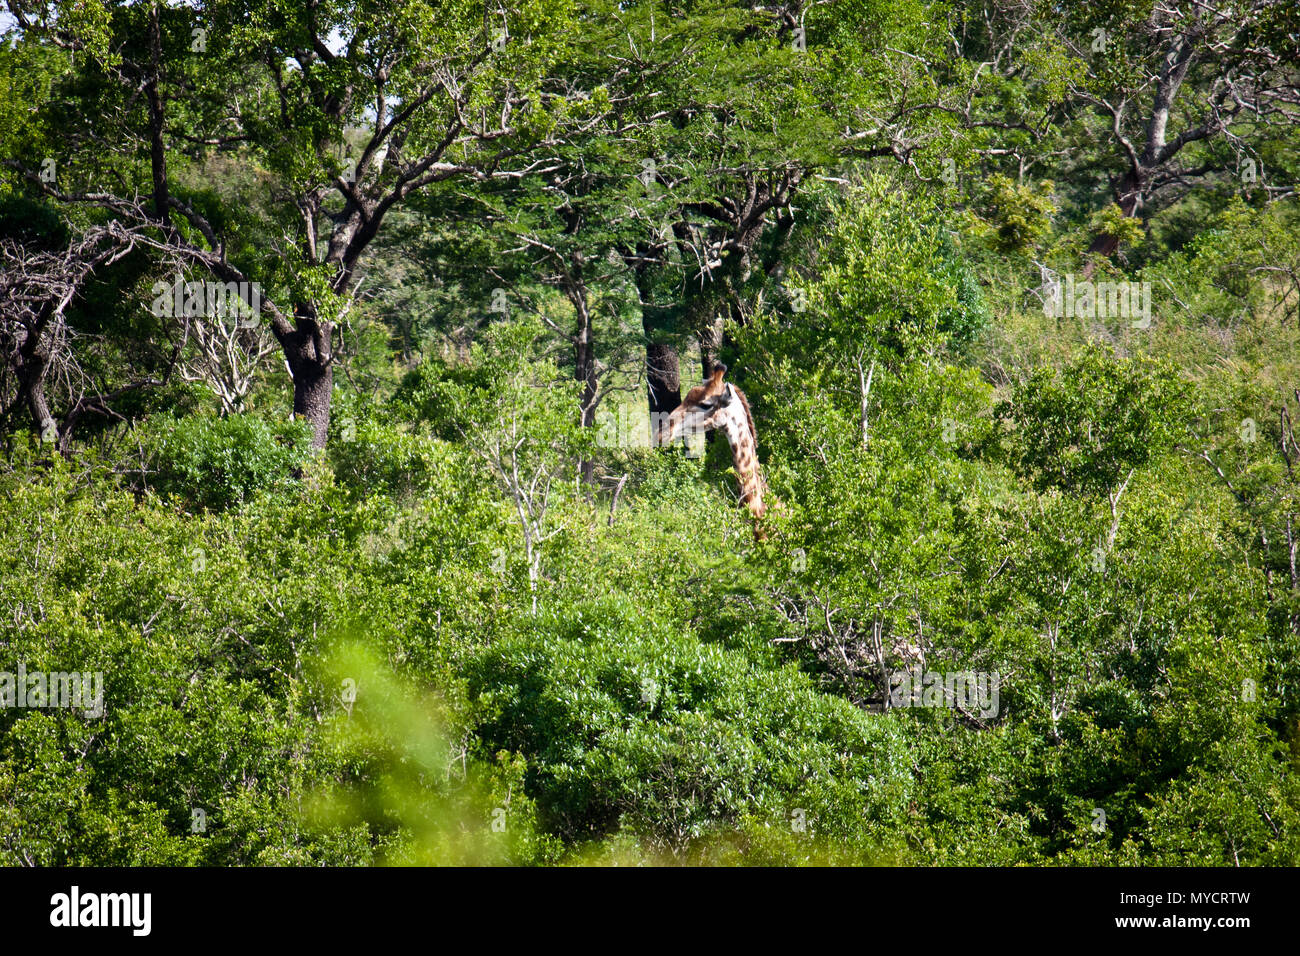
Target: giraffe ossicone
<point x="720" y="405"/>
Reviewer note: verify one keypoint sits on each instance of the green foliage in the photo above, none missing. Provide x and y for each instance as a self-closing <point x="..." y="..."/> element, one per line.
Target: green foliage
<point x="566" y="647"/>
<point x="889" y="279"/>
<point x="217" y="463"/>
<point x="1111" y="221"/>
<point x="399" y="779"/>
<point x="374" y="456"/>
<point x="35" y="224"/>
<point x="629" y="725"/>
<point x="1083" y="427"/>
<point x="1017" y="216"/>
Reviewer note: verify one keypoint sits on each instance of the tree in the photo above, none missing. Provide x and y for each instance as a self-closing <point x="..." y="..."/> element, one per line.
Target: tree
<point x="425" y="98"/>
<point x="37" y="288"/>
<point x="1183" y="93"/>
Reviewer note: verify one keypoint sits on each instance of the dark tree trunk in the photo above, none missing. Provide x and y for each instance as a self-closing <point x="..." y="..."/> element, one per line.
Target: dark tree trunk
<point x="663" y="375"/>
<point x="308" y="353"/>
<point x="313" y="386"/>
<point x="585" y="372"/>
<point x="31" y="380"/>
<point x="30" y="364"/>
<point x="1128" y="196"/>
<point x="33" y="363"/>
<point x="157" y="149"/>
<point x="662" y="364"/>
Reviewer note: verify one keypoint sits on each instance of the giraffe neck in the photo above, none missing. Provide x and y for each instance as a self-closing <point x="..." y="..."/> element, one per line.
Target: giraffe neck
<point x="745" y="458"/>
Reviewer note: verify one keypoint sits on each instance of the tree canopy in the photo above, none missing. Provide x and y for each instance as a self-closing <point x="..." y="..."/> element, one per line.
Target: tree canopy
<point x="334" y="334"/>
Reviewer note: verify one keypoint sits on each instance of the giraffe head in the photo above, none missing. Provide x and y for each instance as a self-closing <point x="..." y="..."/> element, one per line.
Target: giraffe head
<point x="701" y="404"/>
<point x="718" y="404"/>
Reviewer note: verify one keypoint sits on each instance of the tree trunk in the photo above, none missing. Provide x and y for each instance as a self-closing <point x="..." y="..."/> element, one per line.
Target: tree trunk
<point x="157" y="149"/>
<point x="662" y="364"/>
<point x="32" y="383"/>
<point x="710" y="335"/>
<point x="1128" y="197"/>
<point x="313" y="386"/>
<point x="30" y="364"/>
<point x="307" y="352"/>
<point x="585" y="372"/>
<point x="663" y="377"/>
<point x="709" y="325"/>
<point x="33" y="363"/>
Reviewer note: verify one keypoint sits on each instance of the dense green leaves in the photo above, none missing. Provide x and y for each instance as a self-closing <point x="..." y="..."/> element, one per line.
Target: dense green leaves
<point x="218" y="462"/>
<point x="468" y="615"/>
<point x="1083" y="428"/>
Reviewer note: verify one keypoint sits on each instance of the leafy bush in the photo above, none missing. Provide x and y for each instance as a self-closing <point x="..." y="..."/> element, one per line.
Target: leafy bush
<point x="372" y="456"/>
<point x="216" y="463"/>
<point x="1084" y="426"/>
<point x="1014" y="217"/>
<point x="629" y="724"/>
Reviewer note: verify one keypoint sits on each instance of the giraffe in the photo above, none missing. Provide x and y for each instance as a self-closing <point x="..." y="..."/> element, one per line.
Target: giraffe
<point x="719" y="404"/>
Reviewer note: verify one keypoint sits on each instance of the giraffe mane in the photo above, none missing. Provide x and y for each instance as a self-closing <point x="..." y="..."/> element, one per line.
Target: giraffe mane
<point x="749" y="419"/>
